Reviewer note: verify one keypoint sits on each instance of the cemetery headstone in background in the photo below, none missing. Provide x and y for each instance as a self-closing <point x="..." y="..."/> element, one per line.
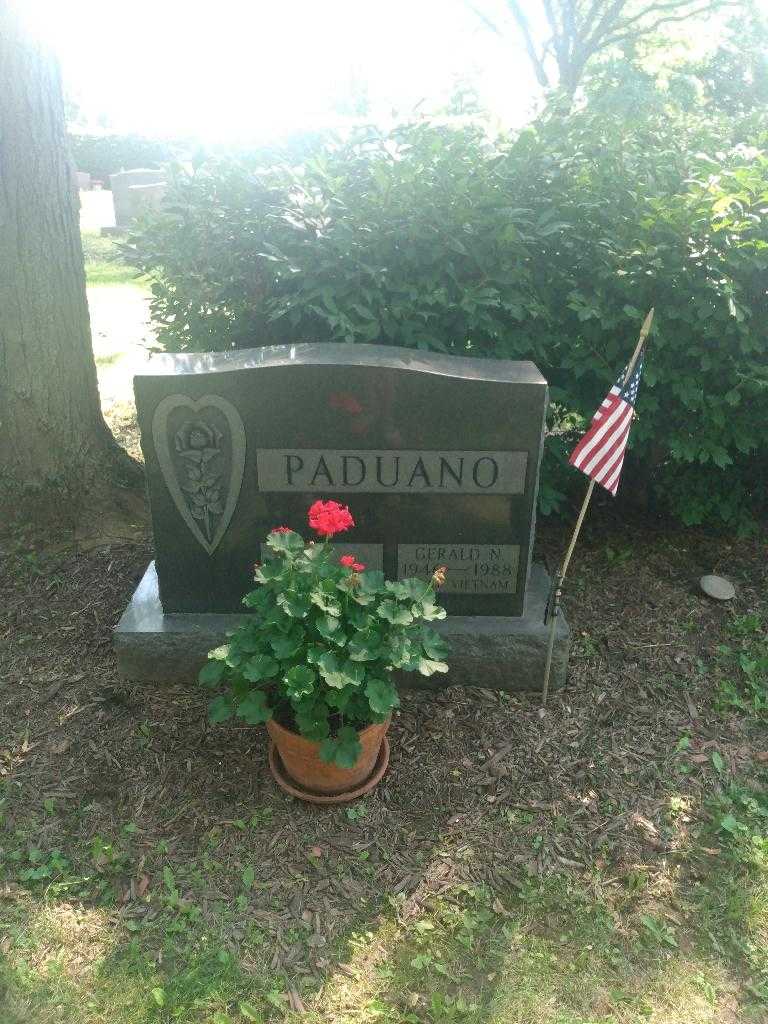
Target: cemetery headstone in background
<point x="146" y="198"/>
<point x="437" y="456"/>
<point x="126" y="204"/>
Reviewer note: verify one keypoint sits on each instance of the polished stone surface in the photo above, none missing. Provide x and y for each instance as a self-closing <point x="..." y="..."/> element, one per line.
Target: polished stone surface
<point x="498" y="652"/>
<point x="429" y="451"/>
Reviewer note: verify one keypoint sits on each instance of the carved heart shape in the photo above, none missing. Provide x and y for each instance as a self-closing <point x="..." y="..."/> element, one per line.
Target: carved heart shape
<point x="191" y="467"/>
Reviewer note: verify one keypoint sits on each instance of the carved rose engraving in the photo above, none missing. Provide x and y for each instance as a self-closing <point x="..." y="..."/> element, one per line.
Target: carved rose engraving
<point x="200" y="446"/>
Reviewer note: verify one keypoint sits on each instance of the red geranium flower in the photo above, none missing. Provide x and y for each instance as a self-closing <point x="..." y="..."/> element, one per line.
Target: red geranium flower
<point x="281" y="529"/>
<point x="348" y="561"/>
<point x="329" y="517"/>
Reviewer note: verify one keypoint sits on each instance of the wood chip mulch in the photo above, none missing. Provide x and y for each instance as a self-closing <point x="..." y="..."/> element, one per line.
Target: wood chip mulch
<point x="480" y="791"/>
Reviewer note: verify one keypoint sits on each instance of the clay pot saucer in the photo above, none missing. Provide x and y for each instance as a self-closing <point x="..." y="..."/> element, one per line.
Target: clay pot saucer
<point x="286" y="783"/>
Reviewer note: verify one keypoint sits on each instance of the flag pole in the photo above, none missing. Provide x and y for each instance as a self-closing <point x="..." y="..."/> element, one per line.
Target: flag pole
<point x="553" y="606"/>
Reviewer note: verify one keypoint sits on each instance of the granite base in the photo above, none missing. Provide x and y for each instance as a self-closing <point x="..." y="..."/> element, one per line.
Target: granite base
<point x="497" y="652"/>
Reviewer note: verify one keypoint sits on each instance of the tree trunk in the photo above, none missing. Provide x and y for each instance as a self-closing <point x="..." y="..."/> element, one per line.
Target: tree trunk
<point x="52" y="433"/>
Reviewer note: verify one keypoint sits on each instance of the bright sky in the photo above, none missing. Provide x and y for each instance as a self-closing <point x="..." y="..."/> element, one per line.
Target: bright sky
<point x="256" y="69"/>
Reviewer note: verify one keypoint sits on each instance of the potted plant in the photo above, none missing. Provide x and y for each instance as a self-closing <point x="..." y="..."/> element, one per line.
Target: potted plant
<point x="317" y="659"/>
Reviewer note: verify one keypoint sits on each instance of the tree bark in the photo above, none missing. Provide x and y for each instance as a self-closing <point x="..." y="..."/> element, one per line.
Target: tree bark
<point x="52" y="433"/>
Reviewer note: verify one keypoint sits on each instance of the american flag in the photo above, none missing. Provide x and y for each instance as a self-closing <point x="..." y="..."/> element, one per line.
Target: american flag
<point x="600" y="453"/>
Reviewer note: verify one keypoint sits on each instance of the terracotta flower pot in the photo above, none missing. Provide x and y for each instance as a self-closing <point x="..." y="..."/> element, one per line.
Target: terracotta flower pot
<point x="301" y="760"/>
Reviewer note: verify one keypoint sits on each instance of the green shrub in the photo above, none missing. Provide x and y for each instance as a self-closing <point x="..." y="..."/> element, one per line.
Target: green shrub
<point x="549" y="246"/>
<point x="102" y="155"/>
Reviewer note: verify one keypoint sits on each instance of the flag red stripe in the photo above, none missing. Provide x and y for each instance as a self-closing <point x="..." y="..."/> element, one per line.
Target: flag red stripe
<point x="612" y="485"/>
<point x="600" y="453"/>
<point x="594" y="435"/>
<point x="604" y="467"/>
<point x="609" y="442"/>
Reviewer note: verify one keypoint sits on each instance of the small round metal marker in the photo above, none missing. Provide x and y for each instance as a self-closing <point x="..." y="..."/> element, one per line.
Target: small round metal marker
<point x="717" y="587"/>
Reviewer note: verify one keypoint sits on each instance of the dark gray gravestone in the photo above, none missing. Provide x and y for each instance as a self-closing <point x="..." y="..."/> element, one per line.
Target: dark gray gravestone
<point x="437" y="457"/>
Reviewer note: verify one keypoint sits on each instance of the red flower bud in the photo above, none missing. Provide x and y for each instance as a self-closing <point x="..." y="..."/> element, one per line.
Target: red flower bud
<point x="348" y="561"/>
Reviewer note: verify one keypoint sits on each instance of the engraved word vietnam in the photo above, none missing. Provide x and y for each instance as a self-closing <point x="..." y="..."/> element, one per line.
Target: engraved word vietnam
<point x="422" y="472"/>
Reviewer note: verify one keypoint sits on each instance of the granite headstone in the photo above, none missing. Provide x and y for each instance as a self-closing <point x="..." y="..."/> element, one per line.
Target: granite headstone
<point x="437" y="456"/>
<point x="123" y="198"/>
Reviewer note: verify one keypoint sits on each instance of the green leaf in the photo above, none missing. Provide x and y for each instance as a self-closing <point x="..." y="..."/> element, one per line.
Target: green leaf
<point x="220" y="709"/>
<point x="254" y="709"/>
<point x="259" y="667"/>
<point x="327" y="663"/>
<point x="428" y="666"/>
<point x="311" y="719"/>
<point x="327" y="602"/>
<point x="249" y="1011"/>
<point x="286" y="647"/>
<point x="299" y="681"/>
<point x="356" y="616"/>
<point x="337" y="673"/>
<point x="248" y="877"/>
<point x="293" y="604"/>
<point x="402" y="652"/>
<point x="328" y="628"/>
<point x="382" y="695"/>
<point x="270" y="571"/>
<point x="339" y="699"/>
<point x="732" y="825"/>
<point x="431" y="611"/>
<point x="219" y="653"/>
<point x="343" y="750"/>
<point x="395" y="613"/>
<point x="434" y="645"/>
<point x="258" y="599"/>
<point x="409" y="590"/>
<point x="211" y="673"/>
<point x="285" y="543"/>
<point x="364" y="647"/>
<point x="371" y="581"/>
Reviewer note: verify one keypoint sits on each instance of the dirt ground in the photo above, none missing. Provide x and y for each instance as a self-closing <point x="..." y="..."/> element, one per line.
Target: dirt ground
<point x="595" y="775"/>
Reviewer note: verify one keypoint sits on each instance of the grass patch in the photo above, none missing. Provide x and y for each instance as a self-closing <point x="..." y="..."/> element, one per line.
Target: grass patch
<point x="742" y="664"/>
<point x="104" y="263"/>
<point x="554" y="953"/>
<point x="687" y="948"/>
<point x="68" y="965"/>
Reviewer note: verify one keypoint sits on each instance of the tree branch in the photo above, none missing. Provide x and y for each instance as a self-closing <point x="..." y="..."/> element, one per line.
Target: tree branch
<point x="685" y="7"/>
<point x="522" y="22"/>
<point x="606" y="23"/>
<point x="624" y="33"/>
<point x="485" y="19"/>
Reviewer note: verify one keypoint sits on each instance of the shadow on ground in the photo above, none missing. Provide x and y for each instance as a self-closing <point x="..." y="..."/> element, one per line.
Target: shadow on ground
<point x="153" y="871"/>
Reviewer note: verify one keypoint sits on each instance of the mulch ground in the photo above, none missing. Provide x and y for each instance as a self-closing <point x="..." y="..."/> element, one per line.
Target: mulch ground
<point x="480" y="789"/>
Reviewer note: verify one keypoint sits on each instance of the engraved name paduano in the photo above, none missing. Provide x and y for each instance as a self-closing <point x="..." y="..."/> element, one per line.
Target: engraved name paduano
<point x="420" y="472"/>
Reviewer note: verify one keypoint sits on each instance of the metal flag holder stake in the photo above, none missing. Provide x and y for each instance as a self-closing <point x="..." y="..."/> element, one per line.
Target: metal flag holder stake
<point x="553" y="603"/>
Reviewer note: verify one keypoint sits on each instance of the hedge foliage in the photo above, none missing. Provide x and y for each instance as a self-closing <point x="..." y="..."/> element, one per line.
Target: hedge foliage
<point x="102" y="155"/>
<point x="550" y="245"/>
